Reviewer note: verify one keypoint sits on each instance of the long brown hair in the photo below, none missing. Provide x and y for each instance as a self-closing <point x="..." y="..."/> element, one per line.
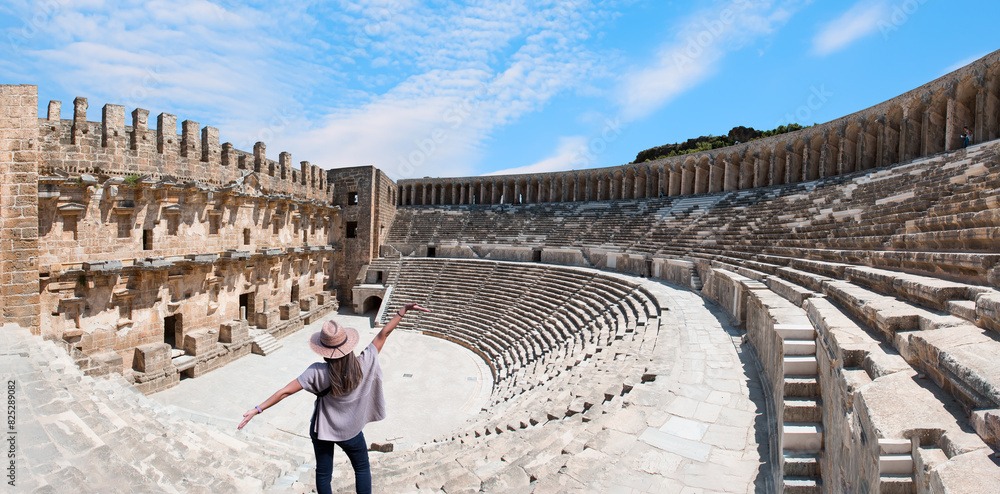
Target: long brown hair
<point x="345" y="374"/>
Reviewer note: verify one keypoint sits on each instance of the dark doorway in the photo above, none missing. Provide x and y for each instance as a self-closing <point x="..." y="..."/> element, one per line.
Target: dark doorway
<point x="371" y="304"/>
<point x="379" y="278"/>
<point x="171" y="330"/>
<point x="536" y="256"/>
<point x="147" y="240"/>
<point x="295" y="292"/>
<point x="246" y="306"/>
<point x="431" y="251"/>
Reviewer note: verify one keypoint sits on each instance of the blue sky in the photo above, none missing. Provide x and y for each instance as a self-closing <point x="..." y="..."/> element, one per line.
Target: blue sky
<point x="438" y="88"/>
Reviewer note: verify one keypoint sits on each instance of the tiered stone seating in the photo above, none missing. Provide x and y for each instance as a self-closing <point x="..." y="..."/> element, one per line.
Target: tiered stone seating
<point x="81" y="434"/>
<point x="526" y="320"/>
<point x="898" y="272"/>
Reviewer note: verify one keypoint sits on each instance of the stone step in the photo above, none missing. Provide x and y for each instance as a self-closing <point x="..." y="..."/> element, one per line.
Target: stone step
<point x="800" y="366"/>
<point x="795" y="331"/>
<point x="265" y="344"/>
<point x="895" y="464"/>
<point x="802" y="436"/>
<point x="896" y="484"/>
<point x="802" y="485"/>
<point x="801" y="464"/>
<point x="803" y="410"/>
<point x="799" y="347"/>
<point x="894" y="446"/>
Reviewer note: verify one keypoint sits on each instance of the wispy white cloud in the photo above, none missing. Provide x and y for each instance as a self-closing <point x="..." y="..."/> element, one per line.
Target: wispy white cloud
<point x="859" y="21"/>
<point x="696" y="52"/>
<point x="963" y="62"/>
<point x="567" y="156"/>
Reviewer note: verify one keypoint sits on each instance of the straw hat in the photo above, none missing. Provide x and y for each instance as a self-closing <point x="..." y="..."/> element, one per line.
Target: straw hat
<point x="334" y="341"/>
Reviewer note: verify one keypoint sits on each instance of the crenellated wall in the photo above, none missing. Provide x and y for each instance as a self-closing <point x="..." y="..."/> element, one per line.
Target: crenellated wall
<point x="110" y="148"/>
<point x="152" y="253"/>
<point x="921" y="122"/>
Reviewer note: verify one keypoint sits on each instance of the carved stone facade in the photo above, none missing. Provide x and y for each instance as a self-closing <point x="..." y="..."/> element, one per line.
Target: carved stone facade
<point x="155" y="253"/>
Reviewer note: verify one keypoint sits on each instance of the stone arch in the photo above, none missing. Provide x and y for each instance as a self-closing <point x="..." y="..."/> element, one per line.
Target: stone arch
<point x="642" y="182"/>
<point x="748" y="170"/>
<point x="869" y="142"/>
<point x="934" y="139"/>
<point x="419" y="191"/>
<point x="762" y="170"/>
<point x="963" y="112"/>
<point x="557" y="189"/>
<point x="913" y="129"/>
<point x="701" y="172"/>
<point x="816" y="144"/>
<point x="674" y="178"/>
<point x="371" y="303"/>
<point x="848" y="151"/>
<point x="831" y="149"/>
<point x="687" y="176"/>
<point x="570" y="181"/>
<point x="796" y="158"/>
<point x="991" y="105"/>
<point x="616" y="185"/>
<point x="656" y="187"/>
<point x="891" y="133"/>
<point x="779" y="169"/>
<point x="734" y="166"/>
<point x="628" y="183"/>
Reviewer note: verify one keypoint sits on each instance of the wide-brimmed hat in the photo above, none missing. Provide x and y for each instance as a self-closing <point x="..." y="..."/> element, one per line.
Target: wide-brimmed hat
<point x="334" y="341"/>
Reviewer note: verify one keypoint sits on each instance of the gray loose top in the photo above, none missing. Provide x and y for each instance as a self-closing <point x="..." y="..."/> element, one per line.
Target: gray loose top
<point x="342" y="417"/>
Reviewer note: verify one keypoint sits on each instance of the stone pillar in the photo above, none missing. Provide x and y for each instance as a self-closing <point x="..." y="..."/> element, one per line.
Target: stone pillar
<point x="166" y="135"/>
<point x="284" y="164"/>
<point x="732" y="180"/>
<point x="113" y="127"/>
<point x="140" y="130"/>
<point x="210" y="145"/>
<point x="80" y="126"/>
<point x="55" y="112"/>
<point x="190" y="145"/>
<point x="19" y="296"/>
<point x="259" y="156"/>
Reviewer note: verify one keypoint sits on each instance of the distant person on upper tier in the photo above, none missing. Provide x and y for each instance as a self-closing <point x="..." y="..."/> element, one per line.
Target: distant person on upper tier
<point x="966" y="137"/>
<point x="348" y="393"/>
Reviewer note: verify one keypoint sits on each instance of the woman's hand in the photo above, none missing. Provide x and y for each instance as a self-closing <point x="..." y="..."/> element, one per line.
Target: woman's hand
<point x="414" y="306"/>
<point x="246" y="418"/>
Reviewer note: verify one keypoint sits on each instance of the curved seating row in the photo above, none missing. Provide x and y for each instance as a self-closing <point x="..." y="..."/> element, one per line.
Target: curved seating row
<point x="896" y="269"/>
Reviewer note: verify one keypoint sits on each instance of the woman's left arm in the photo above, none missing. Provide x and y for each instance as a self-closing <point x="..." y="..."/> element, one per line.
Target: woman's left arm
<point x="289" y="389"/>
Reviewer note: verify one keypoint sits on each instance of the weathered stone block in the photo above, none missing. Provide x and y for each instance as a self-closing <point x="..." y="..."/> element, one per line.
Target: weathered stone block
<point x="154" y="357"/>
<point x="233" y="331"/>
<point x="199" y="342"/>
<point x="307" y="304"/>
<point x="269" y="319"/>
<point x="289" y="311"/>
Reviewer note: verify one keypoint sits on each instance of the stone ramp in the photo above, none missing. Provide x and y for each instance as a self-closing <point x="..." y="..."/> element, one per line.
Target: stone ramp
<point x="103" y="435"/>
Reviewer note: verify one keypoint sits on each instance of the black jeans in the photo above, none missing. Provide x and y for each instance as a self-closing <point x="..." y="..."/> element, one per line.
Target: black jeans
<point x="357" y="451"/>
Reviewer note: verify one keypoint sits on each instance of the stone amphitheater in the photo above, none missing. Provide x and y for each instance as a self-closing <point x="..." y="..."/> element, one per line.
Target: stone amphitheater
<point x="811" y="312"/>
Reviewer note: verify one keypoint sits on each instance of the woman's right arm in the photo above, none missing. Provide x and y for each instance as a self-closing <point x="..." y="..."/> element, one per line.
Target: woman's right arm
<point x="391" y="325"/>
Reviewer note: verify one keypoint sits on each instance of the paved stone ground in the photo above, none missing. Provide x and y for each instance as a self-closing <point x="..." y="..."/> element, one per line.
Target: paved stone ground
<point x="700" y="427"/>
<point x="431" y="387"/>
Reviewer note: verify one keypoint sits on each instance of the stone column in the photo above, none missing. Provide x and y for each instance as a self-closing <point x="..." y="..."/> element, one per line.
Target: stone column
<point x="19" y="289"/>
<point x="80" y="126"/>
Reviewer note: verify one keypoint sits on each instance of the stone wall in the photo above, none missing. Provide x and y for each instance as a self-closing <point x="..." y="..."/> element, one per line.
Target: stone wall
<point x="152" y="253"/>
<point x="367" y="198"/>
<point x="921" y="122"/>
<point x="19" y="299"/>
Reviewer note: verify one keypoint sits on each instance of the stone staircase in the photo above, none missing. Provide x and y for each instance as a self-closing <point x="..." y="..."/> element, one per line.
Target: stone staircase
<point x="265" y="344"/>
<point x="82" y="434"/>
<point x="895" y="466"/>
<point x="802" y="427"/>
